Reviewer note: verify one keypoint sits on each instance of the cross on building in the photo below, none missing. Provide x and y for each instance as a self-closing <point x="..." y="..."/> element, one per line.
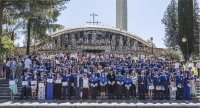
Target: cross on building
<point x="93" y="19"/>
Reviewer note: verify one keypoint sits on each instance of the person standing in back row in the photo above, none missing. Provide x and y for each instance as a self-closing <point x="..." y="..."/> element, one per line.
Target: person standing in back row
<point x="198" y="68"/>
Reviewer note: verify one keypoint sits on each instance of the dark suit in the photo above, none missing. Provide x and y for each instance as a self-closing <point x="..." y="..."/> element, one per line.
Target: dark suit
<point x="78" y="85"/>
<point x="111" y="88"/>
<point x="142" y="80"/>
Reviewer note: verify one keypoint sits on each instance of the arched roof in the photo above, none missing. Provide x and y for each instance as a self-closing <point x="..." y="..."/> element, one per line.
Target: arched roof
<point x="100" y="27"/>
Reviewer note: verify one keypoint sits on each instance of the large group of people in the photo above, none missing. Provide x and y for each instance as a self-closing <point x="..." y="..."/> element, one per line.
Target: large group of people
<point x="88" y="75"/>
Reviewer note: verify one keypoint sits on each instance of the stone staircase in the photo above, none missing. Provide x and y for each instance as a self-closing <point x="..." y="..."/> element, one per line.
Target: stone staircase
<point x="198" y="88"/>
<point x="5" y="92"/>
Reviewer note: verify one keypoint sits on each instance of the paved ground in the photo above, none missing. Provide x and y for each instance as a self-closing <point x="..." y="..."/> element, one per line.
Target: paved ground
<point x="99" y="103"/>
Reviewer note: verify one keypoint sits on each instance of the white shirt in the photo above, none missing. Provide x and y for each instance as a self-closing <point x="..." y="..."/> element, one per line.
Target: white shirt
<point x="27" y="63"/>
<point x="191" y="65"/>
<point x="85" y="83"/>
<point x="176" y="65"/>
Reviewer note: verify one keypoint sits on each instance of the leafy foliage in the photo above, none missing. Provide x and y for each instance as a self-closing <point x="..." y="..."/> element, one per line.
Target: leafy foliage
<point x="35" y="17"/>
<point x="170" y="20"/>
<point x="186" y="27"/>
<point x="169" y="53"/>
<point x="181" y="20"/>
<point x="7" y="44"/>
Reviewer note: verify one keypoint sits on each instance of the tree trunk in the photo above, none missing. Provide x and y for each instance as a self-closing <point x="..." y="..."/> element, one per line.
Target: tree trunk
<point x="1" y="22"/>
<point x="12" y="36"/>
<point x="28" y="37"/>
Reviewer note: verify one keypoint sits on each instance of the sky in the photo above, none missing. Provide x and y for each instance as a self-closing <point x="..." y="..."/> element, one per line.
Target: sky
<point x="144" y="16"/>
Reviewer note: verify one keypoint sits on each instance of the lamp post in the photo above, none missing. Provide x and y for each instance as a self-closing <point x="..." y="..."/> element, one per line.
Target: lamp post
<point x="185" y="40"/>
<point x="152" y="44"/>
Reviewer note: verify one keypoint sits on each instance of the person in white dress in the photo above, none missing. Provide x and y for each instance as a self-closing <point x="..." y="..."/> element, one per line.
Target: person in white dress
<point x="192" y="85"/>
<point x="134" y="78"/>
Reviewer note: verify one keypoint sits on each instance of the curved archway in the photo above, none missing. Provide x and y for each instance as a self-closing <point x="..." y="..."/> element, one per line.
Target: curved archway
<point x="93" y="37"/>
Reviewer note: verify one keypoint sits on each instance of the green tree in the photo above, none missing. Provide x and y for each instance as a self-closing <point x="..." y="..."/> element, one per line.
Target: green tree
<point x="186" y="27"/>
<point x="37" y="16"/>
<point x="181" y="20"/>
<point x="8" y="9"/>
<point x="7" y="44"/>
<point x="196" y="27"/>
<point x="169" y="53"/>
<point x="170" y="20"/>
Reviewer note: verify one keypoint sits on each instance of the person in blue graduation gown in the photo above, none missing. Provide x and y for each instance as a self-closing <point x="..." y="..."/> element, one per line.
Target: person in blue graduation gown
<point x="179" y="84"/>
<point x="65" y="84"/>
<point x="156" y="80"/>
<point x="165" y="85"/>
<point x="13" y="86"/>
<point x="119" y="85"/>
<point x="103" y="81"/>
<point x="50" y="79"/>
<point x="25" y="85"/>
<point x="186" y="87"/>
<point x="127" y="83"/>
<point x="93" y="86"/>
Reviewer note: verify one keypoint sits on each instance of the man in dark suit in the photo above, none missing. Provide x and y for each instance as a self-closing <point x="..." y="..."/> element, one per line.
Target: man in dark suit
<point x="142" y="80"/>
<point x="111" y="85"/>
<point x="78" y="84"/>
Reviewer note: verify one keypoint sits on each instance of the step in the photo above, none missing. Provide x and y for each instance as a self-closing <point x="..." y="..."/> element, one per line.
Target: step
<point x="8" y="90"/>
<point x="7" y="85"/>
<point x="72" y="97"/>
